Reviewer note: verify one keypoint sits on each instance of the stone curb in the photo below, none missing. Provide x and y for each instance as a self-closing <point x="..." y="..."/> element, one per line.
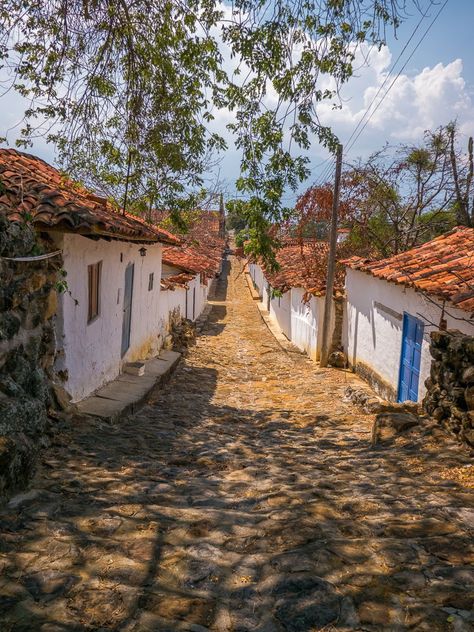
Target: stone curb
<point x="253" y="292"/>
<point x="128" y="393"/>
<point x="280" y="338"/>
<point x="202" y="318"/>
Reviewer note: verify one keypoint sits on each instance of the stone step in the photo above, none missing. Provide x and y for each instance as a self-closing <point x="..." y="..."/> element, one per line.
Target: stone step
<point x="127" y="393"/>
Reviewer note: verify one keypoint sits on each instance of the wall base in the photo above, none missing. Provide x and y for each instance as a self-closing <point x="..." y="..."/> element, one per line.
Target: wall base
<point x="375" y="381"/>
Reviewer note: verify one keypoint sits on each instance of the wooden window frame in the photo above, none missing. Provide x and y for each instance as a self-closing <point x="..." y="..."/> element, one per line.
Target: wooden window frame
<point x="94" y="277"/>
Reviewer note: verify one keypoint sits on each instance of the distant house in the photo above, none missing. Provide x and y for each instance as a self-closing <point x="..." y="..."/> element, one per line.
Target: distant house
<point x="294" y="295"/>
<point x="112" y="261"/>
<point x="193" y="273"/>
<point x="393" y="305"/>
<point x="200" y="254"/>
<point x="342" y="234"/>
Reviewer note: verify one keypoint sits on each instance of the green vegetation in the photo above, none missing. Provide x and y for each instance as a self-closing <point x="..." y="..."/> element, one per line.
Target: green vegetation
<point x="127" y="91"/>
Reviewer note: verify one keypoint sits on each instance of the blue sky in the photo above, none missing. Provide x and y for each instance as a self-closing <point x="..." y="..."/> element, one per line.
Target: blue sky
<point x="450" y="37"/>
<point x="436" y="86"/>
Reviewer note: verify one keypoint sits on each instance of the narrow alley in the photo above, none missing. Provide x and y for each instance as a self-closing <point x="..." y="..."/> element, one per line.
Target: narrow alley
<point x="245" y="496"/>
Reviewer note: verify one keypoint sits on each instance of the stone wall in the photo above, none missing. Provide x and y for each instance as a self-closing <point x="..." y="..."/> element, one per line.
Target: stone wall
<point x="450" y="387"/>
<point x="27" y="343"/>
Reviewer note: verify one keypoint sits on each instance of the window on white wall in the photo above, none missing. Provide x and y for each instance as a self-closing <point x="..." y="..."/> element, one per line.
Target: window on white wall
<point x="151" y="281"/>
<point x="94" y="276"/>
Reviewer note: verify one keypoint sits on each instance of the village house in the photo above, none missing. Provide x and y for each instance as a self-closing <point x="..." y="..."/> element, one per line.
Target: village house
<point x="294" y="296"/>
<point x="112" y="264"/>
<point x="190" y="276"/>
<point x="190" y="270"/>
<point x="394" y="304"/>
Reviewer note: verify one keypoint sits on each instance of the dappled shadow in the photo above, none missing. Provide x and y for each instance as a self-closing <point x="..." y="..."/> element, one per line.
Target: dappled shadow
<point x="244" y="496"/>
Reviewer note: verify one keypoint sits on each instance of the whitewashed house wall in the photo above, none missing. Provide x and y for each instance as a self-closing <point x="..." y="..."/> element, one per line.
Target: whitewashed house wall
<point x="258" y="278"/>
<point x="280" y="312"/>
<point x="171" y="301"/>
<point x="300" y="322"/>
<point x="305" y="318"/>
<point x="195" y="296"/>
<point x="374" y="328"/>
<point x="91" y="352"/>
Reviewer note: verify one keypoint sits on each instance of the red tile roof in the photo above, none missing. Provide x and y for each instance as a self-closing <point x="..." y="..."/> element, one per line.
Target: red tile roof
<point x="176" y="280"/>
<point x="191" y="260"/>
<point x="443" y="268"/>
<point x="303" y="263"/>
<point x="31" y="187"/>
<point x="202" y="248"/>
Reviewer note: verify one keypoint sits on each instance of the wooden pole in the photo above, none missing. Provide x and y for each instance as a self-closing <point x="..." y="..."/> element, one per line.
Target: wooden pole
<point x="325" y="345"/>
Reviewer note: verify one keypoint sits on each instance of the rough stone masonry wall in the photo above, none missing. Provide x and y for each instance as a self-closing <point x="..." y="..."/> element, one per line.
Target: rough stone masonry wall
<point x="27" y="345"/>
<point x="450" y="387"/>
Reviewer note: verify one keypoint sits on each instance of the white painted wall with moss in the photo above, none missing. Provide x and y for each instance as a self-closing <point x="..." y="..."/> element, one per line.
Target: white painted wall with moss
<point x="91" y="352"/>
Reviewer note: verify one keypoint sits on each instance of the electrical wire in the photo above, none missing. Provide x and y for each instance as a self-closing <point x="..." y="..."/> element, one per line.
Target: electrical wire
<point x="349" y="147"/>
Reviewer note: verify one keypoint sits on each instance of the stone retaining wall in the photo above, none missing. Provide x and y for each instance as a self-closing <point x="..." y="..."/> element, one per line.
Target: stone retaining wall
<point x="27" y="343"/>
<point x="450" y="387"/>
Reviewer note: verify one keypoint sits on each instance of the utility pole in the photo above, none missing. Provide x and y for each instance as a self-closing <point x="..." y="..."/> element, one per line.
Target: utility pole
<point x="221" y="216"/>
<point x="325" y="346"/>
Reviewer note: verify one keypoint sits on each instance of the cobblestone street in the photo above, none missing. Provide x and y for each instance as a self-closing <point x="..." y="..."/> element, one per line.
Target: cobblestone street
<point x="245" y="496"/>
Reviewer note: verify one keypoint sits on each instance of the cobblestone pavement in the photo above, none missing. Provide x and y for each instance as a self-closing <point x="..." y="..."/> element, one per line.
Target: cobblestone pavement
<point x="245" y="496"/>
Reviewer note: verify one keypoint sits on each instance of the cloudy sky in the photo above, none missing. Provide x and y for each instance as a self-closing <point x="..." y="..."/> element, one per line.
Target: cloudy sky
<point x="436" y="86"/>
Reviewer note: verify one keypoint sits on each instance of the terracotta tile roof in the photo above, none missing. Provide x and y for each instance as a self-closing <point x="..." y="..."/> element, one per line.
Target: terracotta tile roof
<point x="176" y="280"/>
<point x="303" y="263"/>
<point x="443" y="267"/>
<point x="191" y="259"/>
<point x="29" y="186"/>
<point x="202" y="247"/>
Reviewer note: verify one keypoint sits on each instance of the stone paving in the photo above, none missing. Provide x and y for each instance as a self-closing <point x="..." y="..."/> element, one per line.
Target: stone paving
<point x="246" y="496"/>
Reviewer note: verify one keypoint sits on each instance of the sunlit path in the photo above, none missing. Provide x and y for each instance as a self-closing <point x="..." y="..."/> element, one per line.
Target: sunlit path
<point x="246" y="496"/>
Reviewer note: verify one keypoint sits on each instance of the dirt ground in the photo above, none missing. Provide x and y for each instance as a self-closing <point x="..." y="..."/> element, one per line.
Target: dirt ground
<point x="246" y="496"/>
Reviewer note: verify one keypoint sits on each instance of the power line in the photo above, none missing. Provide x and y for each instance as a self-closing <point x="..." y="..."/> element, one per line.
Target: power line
<point x="394" y="65"/>
<point x="326" y="174"/>
<point x="397" y="76"/>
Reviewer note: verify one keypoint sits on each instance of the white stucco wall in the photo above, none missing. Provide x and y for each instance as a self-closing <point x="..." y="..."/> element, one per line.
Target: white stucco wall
<point x="304" y="322"/>
<point x="170" y="300"/>
<point x="257" y="275"/>
<point x="92" y="351"/>
<point x="374" y="336"/>
<point x="280" y="312"/>
<point x="193" y="299"/>
<point x="300" y="322"/>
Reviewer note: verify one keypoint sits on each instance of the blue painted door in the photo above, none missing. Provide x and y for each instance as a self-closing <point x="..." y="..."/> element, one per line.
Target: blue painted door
<point x="410" y="359"/>
<point x="127" y="307"/>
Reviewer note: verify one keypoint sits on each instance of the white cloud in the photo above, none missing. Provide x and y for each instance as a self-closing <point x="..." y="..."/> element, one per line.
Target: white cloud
<point x="416" y="102"/>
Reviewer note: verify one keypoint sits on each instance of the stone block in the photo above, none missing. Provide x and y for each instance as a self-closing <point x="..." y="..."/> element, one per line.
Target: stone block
<point x="469" y="397"/>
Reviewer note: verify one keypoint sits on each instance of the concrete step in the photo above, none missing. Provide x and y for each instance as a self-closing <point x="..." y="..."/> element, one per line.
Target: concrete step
<point x="127" y="393"/>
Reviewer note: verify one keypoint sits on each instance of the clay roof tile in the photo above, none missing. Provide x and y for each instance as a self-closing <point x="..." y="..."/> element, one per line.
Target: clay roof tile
<point x="443" y="267"/>
<point x="30" y="185"/>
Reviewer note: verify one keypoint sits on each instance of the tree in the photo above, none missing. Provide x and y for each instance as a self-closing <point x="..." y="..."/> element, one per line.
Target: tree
<point x="235" y="216"/>
<point x="402" y="196"/>
<point x="462" y="172"/>
<point x="127" y="89"/>
<point x="313" y="209"/>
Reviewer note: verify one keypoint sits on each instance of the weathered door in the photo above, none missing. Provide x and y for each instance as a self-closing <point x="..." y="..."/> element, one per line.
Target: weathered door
<point x="127" y="307"/>
<point x="410" y="362"/>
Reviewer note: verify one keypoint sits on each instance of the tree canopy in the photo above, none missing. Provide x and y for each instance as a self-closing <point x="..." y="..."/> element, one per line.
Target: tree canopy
<point x="400" y="196"/>
<point x="128" y="89"/>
